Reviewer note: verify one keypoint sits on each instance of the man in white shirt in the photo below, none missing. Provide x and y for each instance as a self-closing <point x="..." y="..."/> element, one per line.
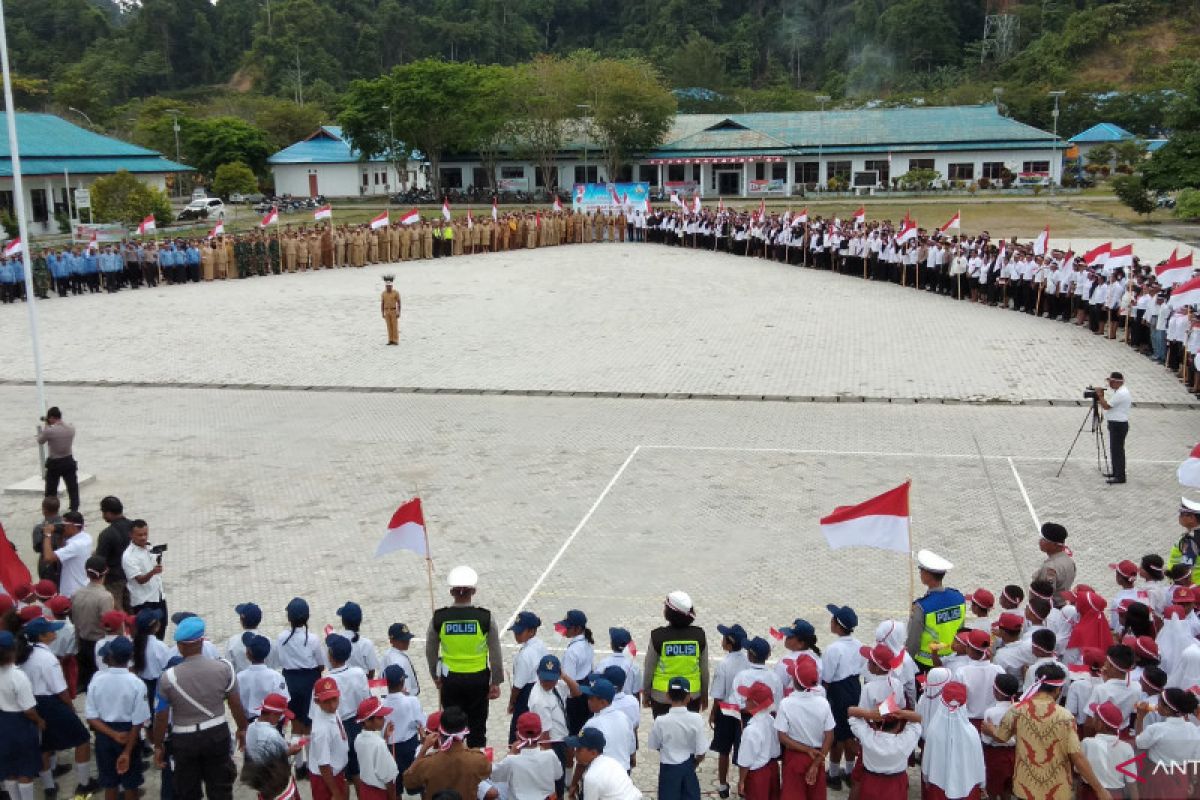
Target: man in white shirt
<point x="1117" y="408"/>
<point x="605" y="778"/>
<point x="72" y="556"/>
<point x="143" y="572"/>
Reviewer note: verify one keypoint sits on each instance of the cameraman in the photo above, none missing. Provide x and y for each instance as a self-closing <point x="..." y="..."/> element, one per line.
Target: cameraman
<point x="1117" y="407"/>
<point x="59" y="436"/>
<point x="143" y="573"/>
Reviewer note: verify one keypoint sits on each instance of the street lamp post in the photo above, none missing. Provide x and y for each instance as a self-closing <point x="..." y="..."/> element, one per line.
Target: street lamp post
<point x="822" y="99"/>
<point x="1055" y="160"/>
<point x="80" y="113"/>
<point x="391" y="148"/>
<point x="175" y="127"/>
<point x="585" y="107"/>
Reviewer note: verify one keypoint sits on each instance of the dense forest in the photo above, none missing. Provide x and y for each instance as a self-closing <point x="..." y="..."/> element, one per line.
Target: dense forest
<point x="1136" y="62"/>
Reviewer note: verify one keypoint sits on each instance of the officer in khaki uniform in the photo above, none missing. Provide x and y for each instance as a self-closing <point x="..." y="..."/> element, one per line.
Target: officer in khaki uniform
<point x="464" y="639"/>
<point x="389" y="306"/>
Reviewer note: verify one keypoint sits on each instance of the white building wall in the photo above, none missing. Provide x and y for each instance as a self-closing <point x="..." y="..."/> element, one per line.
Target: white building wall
<point x="340" y="180"/>
<point x="50" y="187"/>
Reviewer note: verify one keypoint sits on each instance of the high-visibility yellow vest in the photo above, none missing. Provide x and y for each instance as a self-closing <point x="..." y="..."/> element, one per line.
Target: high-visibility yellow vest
<point x="463" y="634"/>
<point x="945" y="611"/>
<point x="677" y="658"/>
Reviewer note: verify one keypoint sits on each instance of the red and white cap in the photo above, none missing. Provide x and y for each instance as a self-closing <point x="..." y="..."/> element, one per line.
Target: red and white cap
<point x="954" y="694"/>
<point x="1126" y="568"/>
<point x="277" y="704"/>
<point x="982" y="598"/>
<point x="758" y="696"/>
<point x="880" y="655"/>
<point x="1108" y="713"/>
<point x="371" y="707"/>
<point x="1183" y="595"/>
<point x="979" y="640"/>
<point x="1142" y="645"/>
<point x="803" y="670"/>
<point x="326" y="689"/>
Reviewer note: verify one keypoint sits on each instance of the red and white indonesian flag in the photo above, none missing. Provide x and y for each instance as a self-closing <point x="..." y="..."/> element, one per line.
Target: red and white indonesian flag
<point x="860" y="215"/>
<point x="802" y="217"/>
<point x="405" y="531"/>
<point x="696" y="204"/>
<point x="762" y="208"/>
<point x="649" y="208"/>
<point x="676" y="199"/>
<point x="410" y="217"/>
<point x="907" y="232"/>
<point x="470" y="220"/>
<point x="1097" y="256"/>
<point x="380" y="222"/>
<point x="271" y="218"/>
<point x="720" y="204"/>
<point x="446" y="209"/>
<point x="1186" y="294"/>
<point x="13" y="248"/>
<point x="1176" y="270"/>
<point x="495" y="211"/>
<point x="1041" y="245"/>
<point x="1120" y="257"/>
<point x="218" y="230"/>
<point x="557" y="203"/>
<point x="94" y="242"/>
<point x="613" y="196"/>
<point x="146" y="225"/>
<point x="880" y="522"/>
<point x="889" y="706"/>
<point x="324" y="212"/>
<point x="954" y="223"/>
<point x="1189" y="470"/>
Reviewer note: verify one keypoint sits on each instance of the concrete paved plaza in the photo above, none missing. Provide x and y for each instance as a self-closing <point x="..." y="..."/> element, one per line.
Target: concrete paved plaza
<point x="599" y="503"/>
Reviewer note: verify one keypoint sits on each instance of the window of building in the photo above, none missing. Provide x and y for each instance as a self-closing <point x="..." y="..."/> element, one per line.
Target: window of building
<point x="451" y="177"/>
<point x="920" y="163"/>
<point x="6" y="199"/>
<point x="882" y="166"/>
<point x="779" y="171"/>
<point x="37" y="199"/>
<point x="838" y="169"/>
<point x="588" y="174"/>
<point x="760" y="171"/>
<point x="808" y="172"/>
<point x="512" y="173"/>
<point x="992" y="170"/>
<point x="648" y="173"/>
<point x="366" y="179"/>
<point x="961" y="172"/>
<point x="479" y="178"/>
<point x="1036" y="166"/>
<point x="696" y="173"/>
<point x="625" y="174"/>
<point x="675" y="172"/>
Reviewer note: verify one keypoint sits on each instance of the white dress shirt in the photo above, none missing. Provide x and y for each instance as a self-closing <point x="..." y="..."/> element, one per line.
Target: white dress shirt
<point x="376" y="767"/>
<point x="606" y="779"/>
<point x="327" y="743"/>
<point x="577" y="659"/>
<point x="760" y="743"/>
<point x="406" y="716"/>
<point x="257" y="733"/>
<point x="117" y="696"/>
<point x="1104" y="752"/>
<point x="299" y="649"/>
<point x="1123" y="694"/>
<point x="633" y="673"/>
<point x="257" y="681"/>
<point x="679" y="736"/>
<point x="412" y="686"/>
<point x="137" y="561"/>
<point x="995" y="715"/>
<point x="980" y="678"/>
<point x="73" y="556"/>
<point x="752" y="674"/>
<point x="530" y="774"/>
<point x="805" y="717"/>
<point x="722" y="680"/>
<point x="1173" y="740"/>
<point x="16" y="692"/>
<point x="352" y="682"/>
<point x="885" y="753"/>
<point x="842" y="659"/>
<point x="1119" y="402"/>
<point x="551" y="710"/>
<point x="620" y="742"/>
<point x="44" y="672"/>
<point x="526" y="661"/>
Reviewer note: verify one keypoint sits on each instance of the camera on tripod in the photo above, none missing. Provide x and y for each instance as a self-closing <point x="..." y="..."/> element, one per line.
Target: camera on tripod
<point x="1090" y="393"/>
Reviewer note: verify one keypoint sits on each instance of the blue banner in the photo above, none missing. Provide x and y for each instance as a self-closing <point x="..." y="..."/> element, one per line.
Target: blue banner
<point x="609" y="196"/>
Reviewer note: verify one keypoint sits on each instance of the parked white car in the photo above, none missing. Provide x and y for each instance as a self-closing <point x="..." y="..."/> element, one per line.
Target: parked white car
<point x="208" y="208"/>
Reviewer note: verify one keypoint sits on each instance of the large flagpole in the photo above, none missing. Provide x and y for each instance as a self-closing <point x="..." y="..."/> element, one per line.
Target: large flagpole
<point x="22" y="228"/>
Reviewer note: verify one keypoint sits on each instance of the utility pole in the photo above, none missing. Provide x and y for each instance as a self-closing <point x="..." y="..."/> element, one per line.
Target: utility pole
<point x="1055" y="160"/>
<point x="299" y="78"/>
<point x="822" y="99"/>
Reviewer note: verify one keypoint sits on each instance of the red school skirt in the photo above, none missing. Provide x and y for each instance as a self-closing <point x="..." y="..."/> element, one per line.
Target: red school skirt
<point x="1000" y="763"/>
<point x="877" y="786"/>
<point x="761" y="784"/>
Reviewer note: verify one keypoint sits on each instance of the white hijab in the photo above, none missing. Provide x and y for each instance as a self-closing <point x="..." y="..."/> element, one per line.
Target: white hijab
<point x="1186" y="672"/>
<point x="953" y="756"/>
<point x="1173" y="639"/>
<point x="894" y="633"/>
<point x="934" y="681"/>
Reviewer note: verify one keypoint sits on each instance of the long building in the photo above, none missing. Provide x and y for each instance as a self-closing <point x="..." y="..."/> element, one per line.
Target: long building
<point x="786" y="153"/>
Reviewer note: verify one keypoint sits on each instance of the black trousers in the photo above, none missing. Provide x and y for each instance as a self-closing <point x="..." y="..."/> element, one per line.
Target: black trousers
<point x="85" y="659"/>
<point x="469" y="691"/>
<point x="203" y="765"/>
<point x="161" y="605"/>
<point x="67" y="469"/>
<point x="1117" y="431"/>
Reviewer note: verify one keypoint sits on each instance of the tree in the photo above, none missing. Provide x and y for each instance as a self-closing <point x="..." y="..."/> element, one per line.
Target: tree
<point x="209" y="143"/>
<point x="1131" y="190"/>
<point x="234" y="178"/>
<point x="121" y="197"/>
<point x="549" y="95"/>
<point x="632" y="110"/>
<point x="1187" y="204"/>
<point x="1176" y="165"/>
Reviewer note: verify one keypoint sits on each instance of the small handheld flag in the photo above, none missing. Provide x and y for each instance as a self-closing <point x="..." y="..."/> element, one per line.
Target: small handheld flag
<point x="1189" y="471"/>
<point x="446" y="209"/>
<point x="146" y="225"/>
<point x="380" y="222"/>
<point x="218" y="230"/>
<point x="889" y="706"/>
<point x="954" y="223"/>
<point x="412" y="217"/>
<point x="557" y="203"/>
<point x="324" y="212"/>
<point x="271" y="218"/>
<point x="13" y="248"/>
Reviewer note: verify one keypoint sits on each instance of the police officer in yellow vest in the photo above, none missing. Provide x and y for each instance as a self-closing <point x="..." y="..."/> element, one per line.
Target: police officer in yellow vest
<point x="463" y="653"/>
<point x="938" y="615"/>
<point x="677" y="650"/>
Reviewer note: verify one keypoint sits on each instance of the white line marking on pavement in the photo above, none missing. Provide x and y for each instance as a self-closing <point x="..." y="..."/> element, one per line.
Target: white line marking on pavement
<point x="871" y="453"/>
<point x="1037" y="525"/>
<point x="554" y="561"/>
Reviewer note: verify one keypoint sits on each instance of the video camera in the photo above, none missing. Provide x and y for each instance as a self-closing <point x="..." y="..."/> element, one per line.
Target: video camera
<point x="157" y="551"/>
<point x="1090" y="393"/>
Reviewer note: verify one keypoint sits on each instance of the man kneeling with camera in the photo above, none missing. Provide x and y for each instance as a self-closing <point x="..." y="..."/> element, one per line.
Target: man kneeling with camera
<point x="142" y="563"/>
<point x="1116" y="407"/>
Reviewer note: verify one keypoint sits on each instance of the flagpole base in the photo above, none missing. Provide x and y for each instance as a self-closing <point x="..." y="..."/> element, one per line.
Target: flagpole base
<point x="37" y="485"/>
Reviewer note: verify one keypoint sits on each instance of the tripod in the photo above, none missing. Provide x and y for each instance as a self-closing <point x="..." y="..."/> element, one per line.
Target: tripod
<point x="1095" y="418"/>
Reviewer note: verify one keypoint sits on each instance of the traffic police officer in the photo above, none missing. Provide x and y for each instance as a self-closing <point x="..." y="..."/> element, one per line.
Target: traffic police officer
<point x="677" y="650"/>
<point x="938" y="615"/>
<point x="463" y="654"/>
<point x="1187" y="549"/>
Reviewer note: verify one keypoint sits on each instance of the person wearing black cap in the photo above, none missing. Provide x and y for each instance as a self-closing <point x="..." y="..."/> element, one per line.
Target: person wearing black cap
<point x="1117" y="408"/>
<point x="1059" y="566"/>
<point x="727" y="729"/>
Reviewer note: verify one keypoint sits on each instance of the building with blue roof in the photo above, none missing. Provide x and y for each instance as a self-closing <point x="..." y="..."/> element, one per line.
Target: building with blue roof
<point x="58" y="156"/>
<point x="325" y="163"/>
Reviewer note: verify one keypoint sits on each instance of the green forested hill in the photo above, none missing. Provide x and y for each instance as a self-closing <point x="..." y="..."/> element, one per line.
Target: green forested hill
<point x="105" y="57"/>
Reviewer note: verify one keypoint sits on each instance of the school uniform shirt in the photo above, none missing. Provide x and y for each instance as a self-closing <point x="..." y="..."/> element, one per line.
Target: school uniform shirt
<point x="784" y="664"/>
<point x="878" y="688"/>
<point x="1175" y="739"/>
<point x="117" y="696"/>
<point x="679" y="736"/>
<point x="16" y="691"/>
<point x="994" y="714"/>
<point x="979" y="677"/>
<point x="362" y="653"/>
<point x="299" y="649"/>
<point x="1104" y="752"/>
<point x="207" y="650"/>
<point x="65" y="643"/>
<point x="606" y="779"/>
<point x="530" y="774"/>
<point x="44" y="672"/>
<point x="577" y="660"/>
<point x="620" y="742"/>
<point x="633" y="672"/>
<point x="1014" y="657"/>
<point x="352" y="682"/>
<point x="551" y="709"/>
<point x="1031" y="671"/>
<point x="752" y="674"/>
<point x="1124" y="695"/>
<point x="841" y="659"/>
<point x="400" y="658"/>
<point x="885" y="753"/>
<point x="327" y="744"/>
<point x="235" y="650"/>
<point x="721" y="686"/>
<point x="805" y="717"/>
<point x="155" y="660"/>
<point x="376" y="766"/>
<point x="257" y="681"/>
<point x="525" y="662"/>
<point x="407" y="717"/>
<point x="628" y="705"/>
<point x="760" y="743"/>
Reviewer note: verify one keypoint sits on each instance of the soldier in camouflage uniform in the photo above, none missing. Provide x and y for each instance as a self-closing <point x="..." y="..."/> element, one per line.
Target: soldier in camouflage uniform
<point x="241" y="256"/>
<point x="41" y="276"/>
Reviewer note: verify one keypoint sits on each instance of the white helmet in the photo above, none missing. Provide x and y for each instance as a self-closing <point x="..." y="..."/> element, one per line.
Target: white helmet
<point x="680" y="601"/>
<point x="462" y="577"/>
